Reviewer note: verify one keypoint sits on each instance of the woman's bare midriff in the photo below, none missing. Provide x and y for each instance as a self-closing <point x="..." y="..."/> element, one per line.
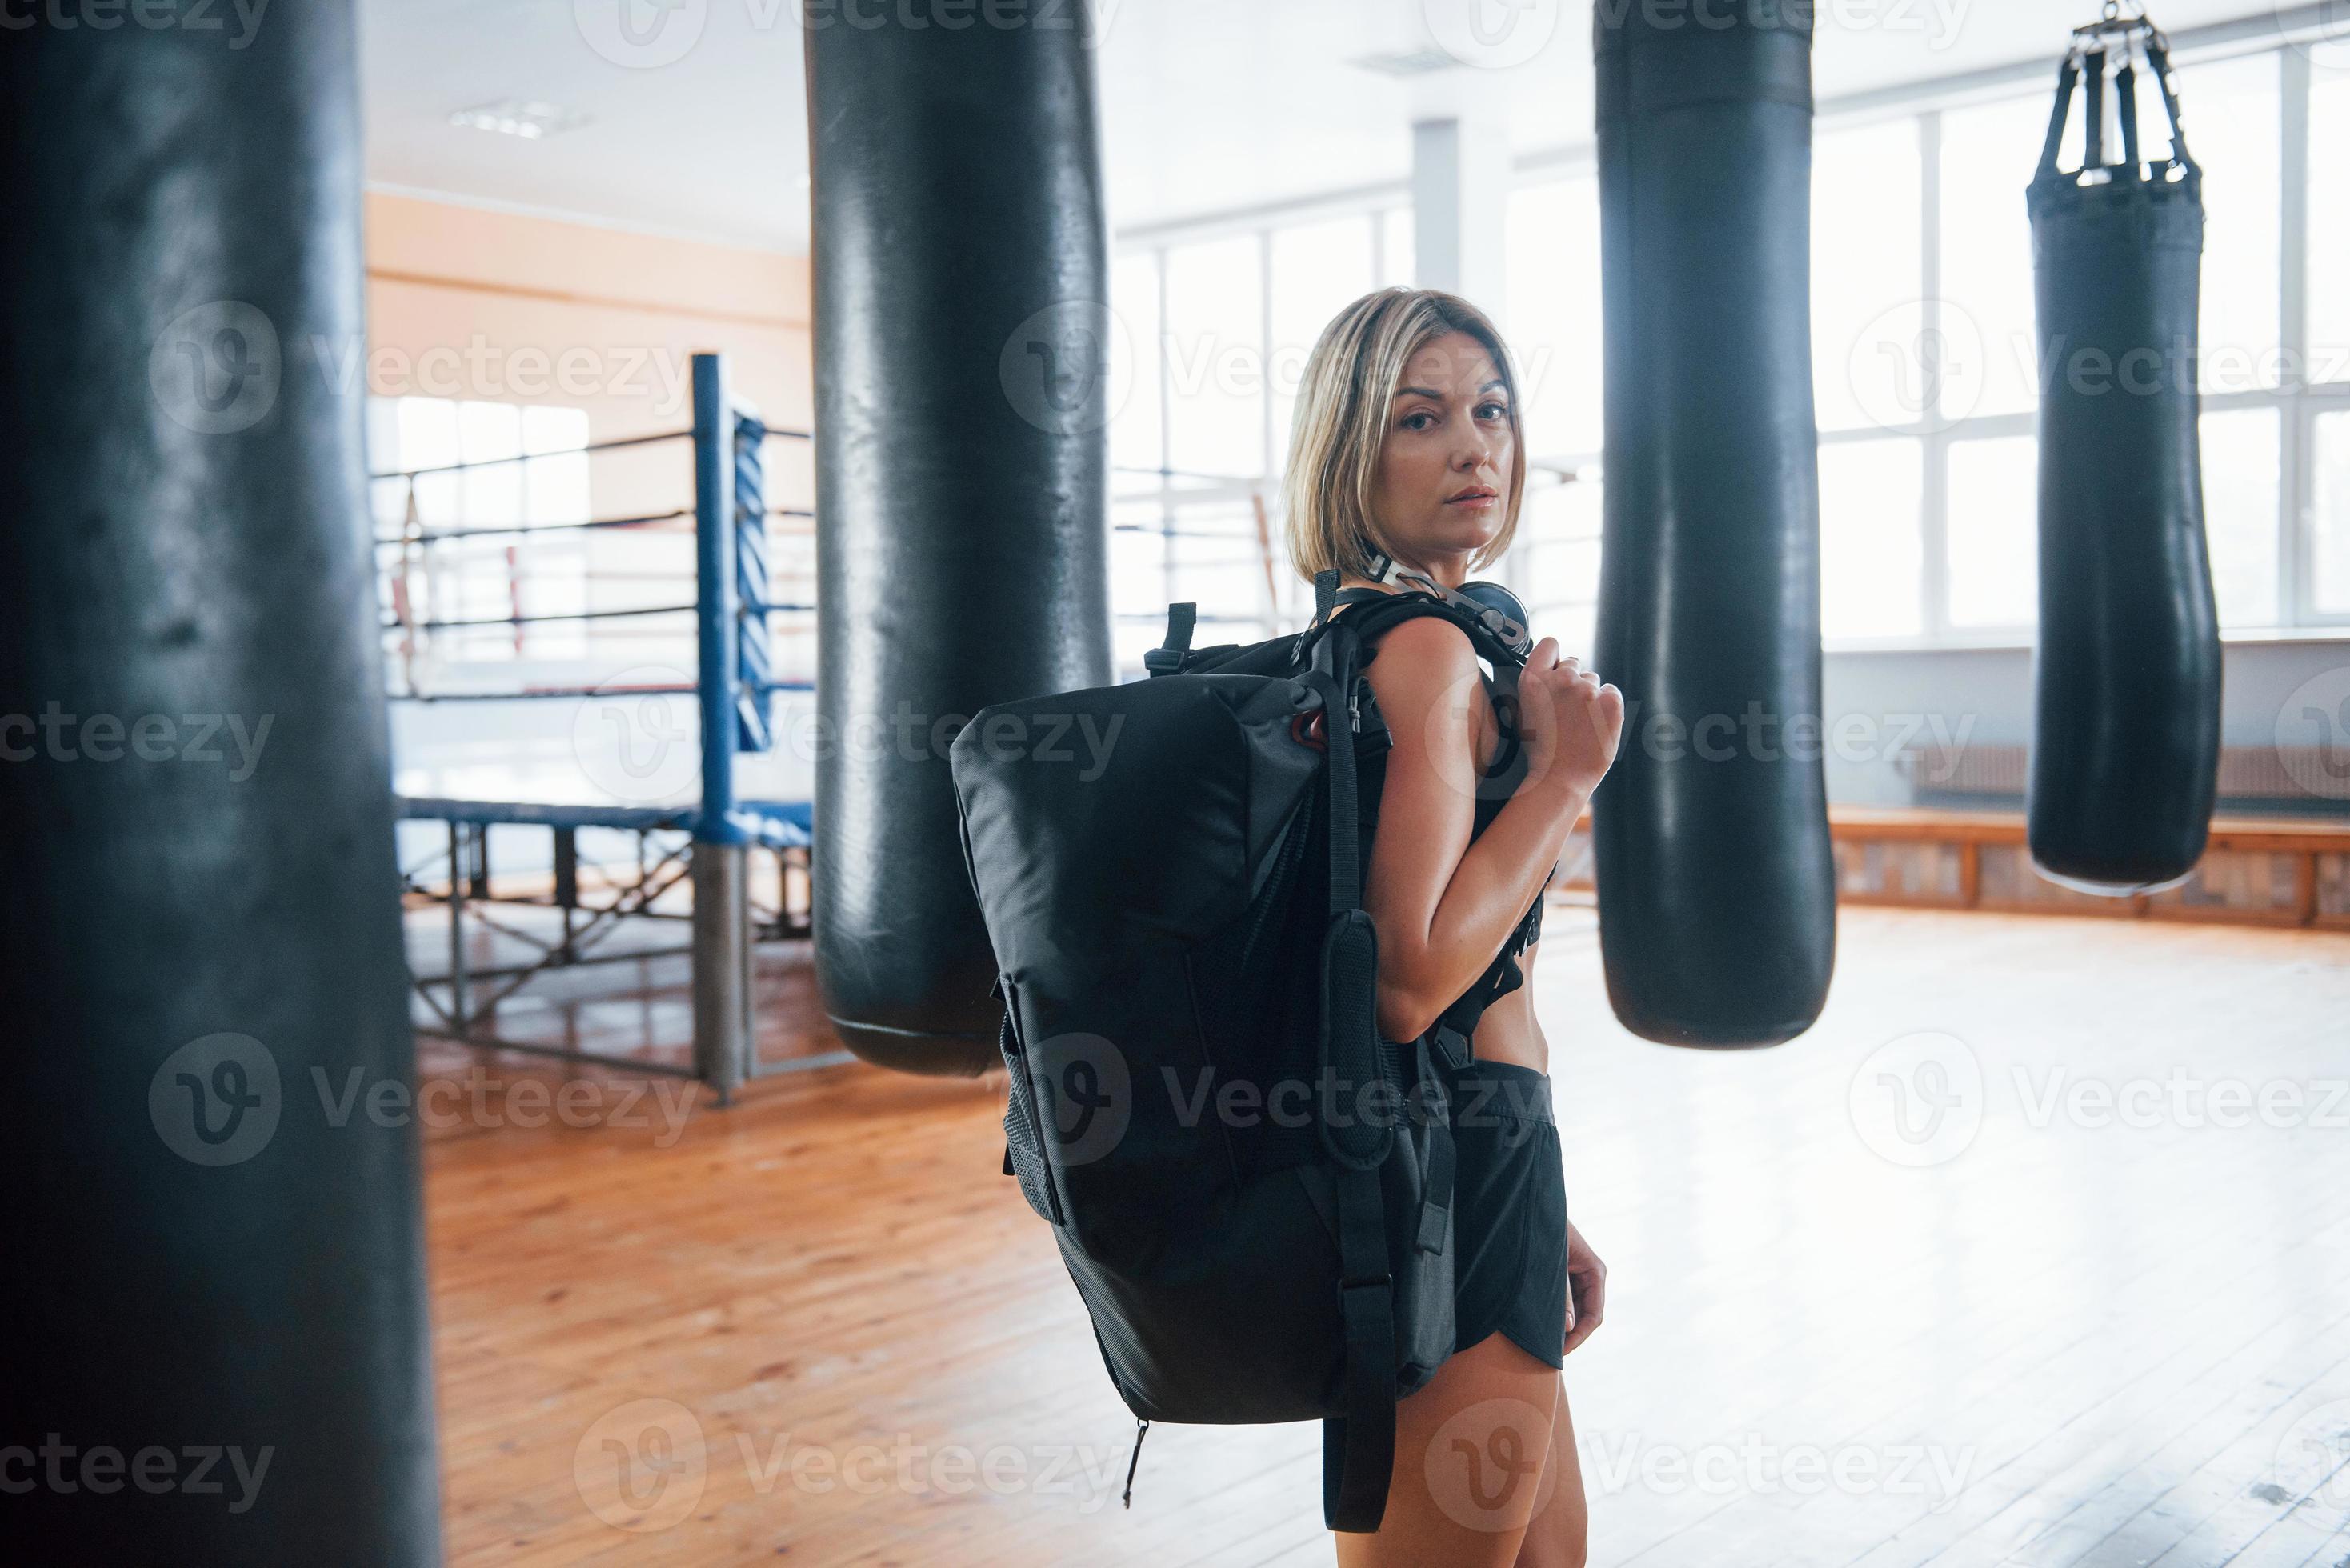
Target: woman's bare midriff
<point x="1508" y="1031"/>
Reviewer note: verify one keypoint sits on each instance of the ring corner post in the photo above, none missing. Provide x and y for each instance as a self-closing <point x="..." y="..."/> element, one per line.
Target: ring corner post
<point x="721" y="916"/>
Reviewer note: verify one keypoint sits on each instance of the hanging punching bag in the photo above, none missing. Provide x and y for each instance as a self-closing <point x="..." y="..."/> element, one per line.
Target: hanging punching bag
<point x="217" y="1345"/>
<point x="962" y="345"/>
<point x="1717" y="889"/>
<point x="2126" y="671"/>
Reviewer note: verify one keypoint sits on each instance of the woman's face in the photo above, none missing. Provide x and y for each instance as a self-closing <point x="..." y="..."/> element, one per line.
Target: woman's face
<point x="1441" y="491"/>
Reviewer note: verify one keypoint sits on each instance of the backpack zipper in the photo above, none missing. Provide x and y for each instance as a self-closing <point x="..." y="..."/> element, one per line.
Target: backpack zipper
<point x="1141" y="1430"/>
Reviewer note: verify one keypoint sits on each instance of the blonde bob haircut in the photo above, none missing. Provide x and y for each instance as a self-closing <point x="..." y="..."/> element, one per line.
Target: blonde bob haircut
<point x="1342" y="417"/>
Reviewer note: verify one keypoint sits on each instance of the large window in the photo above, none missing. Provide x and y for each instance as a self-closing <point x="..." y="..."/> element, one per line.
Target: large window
<point x="1926" y="379"/>
<point x="1219" y="328"/>
<point x="1924" y="346"/>
<point x="458" y="557"/>
<point x="1551" y="284"/>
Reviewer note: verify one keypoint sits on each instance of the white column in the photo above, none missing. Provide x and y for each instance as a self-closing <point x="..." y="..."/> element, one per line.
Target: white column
<point x="1459" y="194"/>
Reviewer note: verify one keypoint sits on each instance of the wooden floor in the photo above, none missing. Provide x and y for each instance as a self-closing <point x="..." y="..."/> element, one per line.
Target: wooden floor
<point x="1863" y="1309"/>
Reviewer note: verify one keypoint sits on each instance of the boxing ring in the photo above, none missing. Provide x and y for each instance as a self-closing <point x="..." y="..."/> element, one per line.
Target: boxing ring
<point x="703" y="845"/>
<point x="695" y="856"/>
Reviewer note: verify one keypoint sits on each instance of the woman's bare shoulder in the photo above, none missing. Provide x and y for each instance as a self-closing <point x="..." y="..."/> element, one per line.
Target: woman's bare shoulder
<point x="1433" y="647"/>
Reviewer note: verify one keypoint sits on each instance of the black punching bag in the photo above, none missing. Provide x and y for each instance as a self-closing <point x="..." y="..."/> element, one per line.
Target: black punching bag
<point x="215" y="1308"/>
<point x="1717" y="888"/>
<point x="2125" y="669"/>
<point x="961" y="344"/>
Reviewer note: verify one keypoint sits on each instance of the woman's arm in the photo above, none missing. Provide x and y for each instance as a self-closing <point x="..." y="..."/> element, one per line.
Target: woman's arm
<point x="1443" y="904"/>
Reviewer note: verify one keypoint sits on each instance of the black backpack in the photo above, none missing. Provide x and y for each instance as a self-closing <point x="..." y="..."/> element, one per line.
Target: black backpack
<point x="1250" y="1189"/>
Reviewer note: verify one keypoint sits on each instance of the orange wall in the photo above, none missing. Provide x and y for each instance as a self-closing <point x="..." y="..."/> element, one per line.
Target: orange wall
<point x="470" y="303"/>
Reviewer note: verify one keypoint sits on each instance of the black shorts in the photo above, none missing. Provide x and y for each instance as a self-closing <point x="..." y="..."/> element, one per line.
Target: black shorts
<point x="1509" y="1210"/>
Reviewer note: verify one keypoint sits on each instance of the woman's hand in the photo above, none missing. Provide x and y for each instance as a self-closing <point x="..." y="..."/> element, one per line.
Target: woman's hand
<point x="1573" y="723"/>
<point x="1587" y="1287"/>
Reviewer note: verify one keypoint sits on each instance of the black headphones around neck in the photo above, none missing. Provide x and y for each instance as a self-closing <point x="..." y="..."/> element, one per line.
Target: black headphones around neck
<point x="1490" y="602"/>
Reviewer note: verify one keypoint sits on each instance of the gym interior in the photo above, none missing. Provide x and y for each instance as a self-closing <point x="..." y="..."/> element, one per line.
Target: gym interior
<point x="512" y="503"/>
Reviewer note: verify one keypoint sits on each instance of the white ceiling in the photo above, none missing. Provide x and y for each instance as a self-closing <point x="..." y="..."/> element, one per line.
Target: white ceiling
<point x="1207" y="105"/>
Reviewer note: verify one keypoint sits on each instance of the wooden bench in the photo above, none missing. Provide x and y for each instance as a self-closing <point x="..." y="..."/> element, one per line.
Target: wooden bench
<point x="2274" y="871"/>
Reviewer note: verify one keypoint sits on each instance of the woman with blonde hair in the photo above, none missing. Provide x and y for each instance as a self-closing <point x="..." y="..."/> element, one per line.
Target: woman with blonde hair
<point x="1407" y="470"/>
